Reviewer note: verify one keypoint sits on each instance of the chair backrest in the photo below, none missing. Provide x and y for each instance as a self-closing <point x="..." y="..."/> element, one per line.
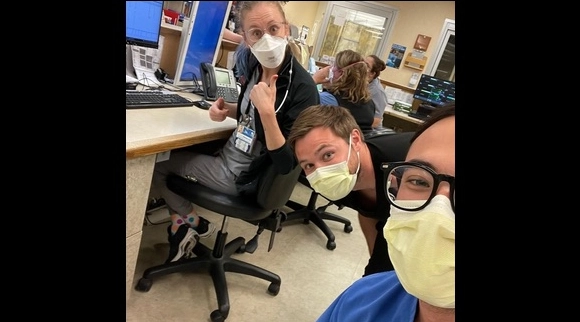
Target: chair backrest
<point x="275" y="189"/>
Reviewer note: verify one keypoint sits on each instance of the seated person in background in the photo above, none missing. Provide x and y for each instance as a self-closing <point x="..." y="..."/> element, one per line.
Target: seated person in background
<point x="420" y="234"/>
<point x="342" y="165"/>
<point x="241" y="57"/>
<point x="345" y="84"/>
<point x="378" y="95"/>
<point x="277" y="89"/>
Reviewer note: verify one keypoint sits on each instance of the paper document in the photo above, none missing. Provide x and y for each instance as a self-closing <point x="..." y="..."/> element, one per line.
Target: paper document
<point x="130" y="79"/>
<point x="397" y="94"/>
<point x="146" y="62"/>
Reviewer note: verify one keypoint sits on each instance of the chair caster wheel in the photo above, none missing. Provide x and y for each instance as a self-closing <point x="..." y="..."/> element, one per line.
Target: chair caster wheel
<point x="216" y="316"/>
<point x="241" y="250"/>
<point x="144" y="285"/>
<point x="331" y="245"/>
<point x="347" y="228"/>
<point x="274" y="289"/>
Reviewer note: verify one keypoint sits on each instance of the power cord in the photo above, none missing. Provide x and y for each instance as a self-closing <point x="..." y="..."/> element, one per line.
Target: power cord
<point x="149" y="222"/>
<point x="152" y="206"/>
<point x="149" y="87"/>
<point x="196" y="89"/>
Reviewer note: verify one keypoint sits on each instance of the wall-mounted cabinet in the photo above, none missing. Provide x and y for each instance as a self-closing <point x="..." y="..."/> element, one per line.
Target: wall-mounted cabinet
<point x="415" y="62"/>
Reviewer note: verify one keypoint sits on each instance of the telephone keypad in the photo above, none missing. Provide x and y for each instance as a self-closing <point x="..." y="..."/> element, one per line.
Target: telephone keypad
<point x="228" y="93"/>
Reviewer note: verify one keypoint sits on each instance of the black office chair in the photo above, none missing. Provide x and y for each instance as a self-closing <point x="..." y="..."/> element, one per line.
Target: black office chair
<point x="317" y="215"/>
<point x="311" y="213"/>
<point x="263" y="210"/>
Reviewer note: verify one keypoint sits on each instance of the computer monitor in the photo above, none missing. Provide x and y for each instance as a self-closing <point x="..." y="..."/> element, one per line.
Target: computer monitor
<point x="434" y="91"/>
<point x="202" y="42"/>
<point x="143" y="23"/>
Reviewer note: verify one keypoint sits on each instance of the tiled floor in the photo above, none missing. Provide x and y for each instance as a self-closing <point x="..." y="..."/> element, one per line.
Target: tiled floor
<point x="312" y="276"/>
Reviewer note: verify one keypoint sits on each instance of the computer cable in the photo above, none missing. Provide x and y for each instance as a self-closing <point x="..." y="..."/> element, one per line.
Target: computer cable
<point x="144" y="80"/>
<point x="196" y="89"/>
<point x="152" y="206"/>
<point x="148" y="220"/>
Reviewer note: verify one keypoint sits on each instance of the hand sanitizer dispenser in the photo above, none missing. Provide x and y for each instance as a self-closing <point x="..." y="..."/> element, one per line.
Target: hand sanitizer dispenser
<point x="414" y="79"/>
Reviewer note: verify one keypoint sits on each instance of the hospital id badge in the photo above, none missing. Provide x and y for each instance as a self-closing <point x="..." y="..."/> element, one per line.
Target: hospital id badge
<point x="245" y="138"/>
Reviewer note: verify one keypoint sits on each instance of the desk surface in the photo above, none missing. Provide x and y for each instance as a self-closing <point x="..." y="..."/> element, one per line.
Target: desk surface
<point x="390" y="111"/>
<point x="148" y="132"/>
<point x="154" y="130"/>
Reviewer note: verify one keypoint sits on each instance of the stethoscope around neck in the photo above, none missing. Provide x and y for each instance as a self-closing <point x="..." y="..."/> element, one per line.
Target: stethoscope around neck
<point x="287" y="88"/>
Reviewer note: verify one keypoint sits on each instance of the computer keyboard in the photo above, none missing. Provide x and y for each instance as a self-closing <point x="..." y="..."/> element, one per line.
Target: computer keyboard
<point x="154" y="99"/>
<point x="421" y="117"/>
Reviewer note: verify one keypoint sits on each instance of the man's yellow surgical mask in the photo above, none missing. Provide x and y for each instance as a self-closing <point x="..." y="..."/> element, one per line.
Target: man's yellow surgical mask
<point x="334" y="181"/>
<point x="422" y="249"/>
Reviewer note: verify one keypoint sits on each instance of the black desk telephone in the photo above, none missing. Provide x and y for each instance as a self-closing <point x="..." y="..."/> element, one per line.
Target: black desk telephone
<point x="218" y="82"/>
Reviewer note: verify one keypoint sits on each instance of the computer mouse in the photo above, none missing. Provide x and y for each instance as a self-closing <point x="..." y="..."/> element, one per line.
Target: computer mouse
<point x="202" y="104"/>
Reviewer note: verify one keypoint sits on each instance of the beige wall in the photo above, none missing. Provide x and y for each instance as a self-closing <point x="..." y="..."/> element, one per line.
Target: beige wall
<point x="413" y="18"/>
<point x="301" y="13"/>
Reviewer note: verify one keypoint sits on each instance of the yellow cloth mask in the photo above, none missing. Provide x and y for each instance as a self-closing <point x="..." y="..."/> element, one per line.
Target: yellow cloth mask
<point x="422" y="249"/>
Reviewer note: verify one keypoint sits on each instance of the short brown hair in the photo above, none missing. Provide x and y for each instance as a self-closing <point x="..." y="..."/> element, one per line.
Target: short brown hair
<point x="338" y="119"/>
<point x="378" y="66"/>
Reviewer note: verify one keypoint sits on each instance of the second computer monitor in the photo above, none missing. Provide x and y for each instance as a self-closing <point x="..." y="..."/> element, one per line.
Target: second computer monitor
<point x="202" y="42"/>
<point x="434" y="91"/>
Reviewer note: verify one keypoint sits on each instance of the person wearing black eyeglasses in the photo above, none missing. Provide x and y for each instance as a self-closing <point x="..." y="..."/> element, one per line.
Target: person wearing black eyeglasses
<point x="420" y="235"/>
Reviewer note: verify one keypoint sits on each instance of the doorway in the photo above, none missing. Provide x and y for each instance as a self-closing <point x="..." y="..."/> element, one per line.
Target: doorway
<point x="362" y="26"/>
<point x="443" y="66"/>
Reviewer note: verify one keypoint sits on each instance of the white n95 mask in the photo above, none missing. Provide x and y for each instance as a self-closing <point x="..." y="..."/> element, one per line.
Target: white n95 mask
<point x="422" y="249"/>
<point x="269" y="50"/>
<point x="334" y="181"/>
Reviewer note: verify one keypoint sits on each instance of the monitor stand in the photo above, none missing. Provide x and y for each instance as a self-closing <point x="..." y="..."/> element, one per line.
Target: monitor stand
<point x="129" y="70"/>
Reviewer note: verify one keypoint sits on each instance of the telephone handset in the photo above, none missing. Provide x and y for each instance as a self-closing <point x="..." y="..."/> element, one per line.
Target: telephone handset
<point x="218" y="82"/>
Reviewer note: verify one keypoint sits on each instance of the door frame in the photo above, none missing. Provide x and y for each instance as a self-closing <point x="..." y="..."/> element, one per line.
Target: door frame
<point x="389" y="12"/>
<point x="447" y="30"/>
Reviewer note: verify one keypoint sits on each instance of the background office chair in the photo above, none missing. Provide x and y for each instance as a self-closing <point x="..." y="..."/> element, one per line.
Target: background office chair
<point x="311" y="213"/>
<point x="317" y="215"/>
<point x="264" y="210"/>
